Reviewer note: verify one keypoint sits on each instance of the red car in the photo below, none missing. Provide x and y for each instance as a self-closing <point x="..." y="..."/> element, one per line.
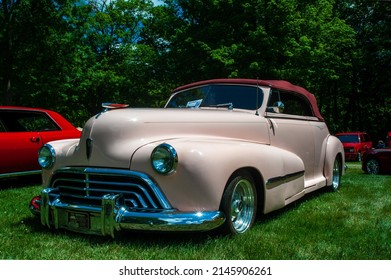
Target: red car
<point x="355" y="144"/>
<point x="377" y="161"/>
<point x="23" y="131"/>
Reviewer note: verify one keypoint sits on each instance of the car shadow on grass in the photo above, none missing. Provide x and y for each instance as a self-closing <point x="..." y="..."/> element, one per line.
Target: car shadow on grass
<point x="18" y="182"/>
<point x="158" y="239"/>
<point x="131" y="237"/>
<point x="264" y="218"/>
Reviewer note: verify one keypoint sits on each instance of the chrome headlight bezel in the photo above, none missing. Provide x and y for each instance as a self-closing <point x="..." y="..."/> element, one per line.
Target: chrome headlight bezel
<point x="46" y="156"/>
<point x="164" y="159"/>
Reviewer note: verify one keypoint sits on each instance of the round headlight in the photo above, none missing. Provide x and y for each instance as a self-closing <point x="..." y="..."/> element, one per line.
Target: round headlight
<point x="164" y="159"/>
<point x="46" y="156"/>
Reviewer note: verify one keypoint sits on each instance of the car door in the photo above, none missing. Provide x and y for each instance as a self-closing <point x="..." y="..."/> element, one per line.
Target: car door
<point x="19" y="151"/>
<point x="21" y="137"/>
<point x="294" y="128"/>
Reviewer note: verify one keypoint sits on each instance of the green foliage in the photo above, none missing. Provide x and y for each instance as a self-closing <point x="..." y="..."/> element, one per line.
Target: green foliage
<point x="72" y="55"/>
<point x="353" y="224"/>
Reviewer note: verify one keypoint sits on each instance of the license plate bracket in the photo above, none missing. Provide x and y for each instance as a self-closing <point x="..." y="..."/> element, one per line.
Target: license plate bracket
<point x="78" y="220"/>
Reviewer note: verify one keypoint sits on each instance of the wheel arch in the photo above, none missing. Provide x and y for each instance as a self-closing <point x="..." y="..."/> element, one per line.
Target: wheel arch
<point x="258" y="180"/>
<point x="334" y="149"/>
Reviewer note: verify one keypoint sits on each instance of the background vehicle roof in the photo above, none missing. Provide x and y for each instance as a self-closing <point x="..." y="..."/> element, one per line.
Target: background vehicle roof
<point x="23" y="108"/>
<point x="350" y="133"/>
<point x="277" y="84"/>
<point x="58" y="118"/>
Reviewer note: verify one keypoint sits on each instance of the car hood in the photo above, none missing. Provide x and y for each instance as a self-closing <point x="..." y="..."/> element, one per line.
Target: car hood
<point x="110" y="138"/>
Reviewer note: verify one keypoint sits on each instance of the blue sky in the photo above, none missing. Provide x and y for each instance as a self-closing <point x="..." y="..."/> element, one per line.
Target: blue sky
<point x="157" y="2"/>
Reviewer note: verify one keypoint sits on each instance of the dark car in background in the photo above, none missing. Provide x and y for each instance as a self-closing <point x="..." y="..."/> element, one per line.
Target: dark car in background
<point x="355" y="144"/>
<point x="23" y="131"/>
<point x="377" y="161"/>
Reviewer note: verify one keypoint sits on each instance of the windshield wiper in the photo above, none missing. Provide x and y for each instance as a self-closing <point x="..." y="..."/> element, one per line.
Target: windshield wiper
<point x="230" y="106"/>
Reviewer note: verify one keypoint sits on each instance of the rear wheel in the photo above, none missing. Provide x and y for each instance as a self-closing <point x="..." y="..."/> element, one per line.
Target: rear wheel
<point x="337" y="172"/>
<point x="239" y="203"/>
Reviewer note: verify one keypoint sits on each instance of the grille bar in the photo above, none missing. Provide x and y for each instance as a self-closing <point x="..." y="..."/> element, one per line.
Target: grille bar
<point x="89" y="185"/>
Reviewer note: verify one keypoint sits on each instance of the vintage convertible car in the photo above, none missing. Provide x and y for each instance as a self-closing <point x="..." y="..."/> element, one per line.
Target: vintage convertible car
<point x="23" y="131"/>
<point x="219" y="153"/>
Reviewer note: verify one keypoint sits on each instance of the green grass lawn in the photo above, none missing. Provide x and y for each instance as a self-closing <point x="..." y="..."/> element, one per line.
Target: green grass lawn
<point x="353" y="224"/>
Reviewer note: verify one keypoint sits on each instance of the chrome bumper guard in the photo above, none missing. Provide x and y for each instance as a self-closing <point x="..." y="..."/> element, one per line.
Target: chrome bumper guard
<point x="114" y="216"/>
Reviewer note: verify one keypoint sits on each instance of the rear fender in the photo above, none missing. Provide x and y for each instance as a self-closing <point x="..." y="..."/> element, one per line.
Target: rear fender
<point x="334" y="148"/>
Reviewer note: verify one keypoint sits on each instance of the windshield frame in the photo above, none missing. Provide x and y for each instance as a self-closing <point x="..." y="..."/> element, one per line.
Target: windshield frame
<point x="219" y="95"/>
<point x="349" y="138"/>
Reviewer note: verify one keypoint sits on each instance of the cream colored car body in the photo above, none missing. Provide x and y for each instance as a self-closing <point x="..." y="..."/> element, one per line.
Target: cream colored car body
<point x="287" y="156"/>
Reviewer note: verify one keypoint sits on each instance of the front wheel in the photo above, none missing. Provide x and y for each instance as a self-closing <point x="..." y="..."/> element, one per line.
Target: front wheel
<point x="239" y="203"/>
<point x="337" y="173"/>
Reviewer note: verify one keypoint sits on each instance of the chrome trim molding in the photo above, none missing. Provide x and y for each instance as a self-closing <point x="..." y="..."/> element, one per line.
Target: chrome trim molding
<point x="89" y="145"/>
<point x="277" y="181"/>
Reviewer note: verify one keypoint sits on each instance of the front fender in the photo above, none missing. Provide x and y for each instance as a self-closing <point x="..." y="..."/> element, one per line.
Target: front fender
<point x="63" y="150"/>
<point x="205" y="166"/>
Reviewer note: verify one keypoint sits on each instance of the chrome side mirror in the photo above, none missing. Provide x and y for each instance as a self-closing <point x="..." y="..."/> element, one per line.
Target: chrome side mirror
<point x="278" y="107"/>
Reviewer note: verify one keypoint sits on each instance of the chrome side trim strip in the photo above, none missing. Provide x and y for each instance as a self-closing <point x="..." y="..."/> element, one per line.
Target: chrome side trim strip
<point x="277" y="181"/>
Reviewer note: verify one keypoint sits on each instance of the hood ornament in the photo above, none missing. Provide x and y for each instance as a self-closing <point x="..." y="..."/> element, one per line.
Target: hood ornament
<point x="109" y="106"/>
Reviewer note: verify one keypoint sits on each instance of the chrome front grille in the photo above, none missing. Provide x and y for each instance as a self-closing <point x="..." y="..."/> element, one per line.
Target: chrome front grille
<point x="349" y="149"/>
<point x="89" y="185"/>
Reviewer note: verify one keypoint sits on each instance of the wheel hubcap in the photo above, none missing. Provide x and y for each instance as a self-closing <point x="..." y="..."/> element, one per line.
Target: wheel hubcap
<point x="336" y="175"/>
<point x="242" y="205"/>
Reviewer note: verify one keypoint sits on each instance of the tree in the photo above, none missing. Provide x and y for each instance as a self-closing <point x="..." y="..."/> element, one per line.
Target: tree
<point x="25" y="28"/>
<point x="304" y="42"/>
<point x="72" y="55"/>
<point x="369" y="100"/>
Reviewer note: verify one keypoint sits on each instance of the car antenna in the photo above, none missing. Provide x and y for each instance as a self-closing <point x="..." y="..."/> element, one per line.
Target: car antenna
<point x="256" y="98"/>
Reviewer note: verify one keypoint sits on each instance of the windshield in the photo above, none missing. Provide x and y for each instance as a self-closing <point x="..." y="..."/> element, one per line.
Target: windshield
<point x="230" y="96"/>
<point x="353" y="138"/>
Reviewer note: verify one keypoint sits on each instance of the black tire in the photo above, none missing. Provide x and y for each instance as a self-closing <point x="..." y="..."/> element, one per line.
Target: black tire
<point x="239" y="204"/>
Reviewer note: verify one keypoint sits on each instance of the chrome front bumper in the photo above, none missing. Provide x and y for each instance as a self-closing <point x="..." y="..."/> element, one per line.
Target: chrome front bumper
<point x="113" y="216"/>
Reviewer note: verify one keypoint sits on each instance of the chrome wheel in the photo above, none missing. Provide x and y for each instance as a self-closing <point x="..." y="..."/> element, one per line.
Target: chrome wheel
<point x="337" y="172"/>
<point x="373" y="166"/>
<point x="239" y="204"/>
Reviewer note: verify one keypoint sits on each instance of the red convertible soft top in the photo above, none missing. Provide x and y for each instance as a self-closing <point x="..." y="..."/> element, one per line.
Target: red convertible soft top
<point x="277" y="84"/>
